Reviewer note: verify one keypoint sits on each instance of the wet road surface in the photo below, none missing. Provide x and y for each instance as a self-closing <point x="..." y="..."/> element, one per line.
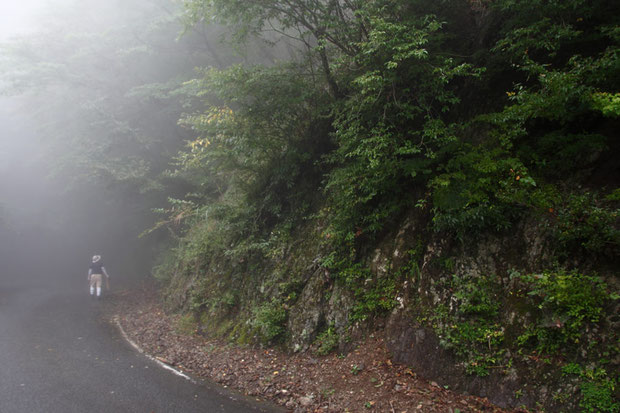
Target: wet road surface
<point x="58" y="354"/>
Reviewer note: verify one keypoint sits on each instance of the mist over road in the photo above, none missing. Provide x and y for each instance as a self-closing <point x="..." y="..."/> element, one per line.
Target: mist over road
<point x="58" y="354"/>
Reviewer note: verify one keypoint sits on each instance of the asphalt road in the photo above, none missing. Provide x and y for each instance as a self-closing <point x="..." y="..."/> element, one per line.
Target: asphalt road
<point x="58" y="354"/>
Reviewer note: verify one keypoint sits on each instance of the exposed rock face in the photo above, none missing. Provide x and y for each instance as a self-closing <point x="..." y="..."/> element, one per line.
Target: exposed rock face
<point x="309" y="313"/>
<point x="321" y="304"/>
<point x="526" y="248"/>
<point x="423" y="267"/>
<point x="420" y="348"/>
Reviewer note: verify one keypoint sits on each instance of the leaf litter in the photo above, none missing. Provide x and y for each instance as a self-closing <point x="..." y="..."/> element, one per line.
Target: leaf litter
<point x="364" y="380"/>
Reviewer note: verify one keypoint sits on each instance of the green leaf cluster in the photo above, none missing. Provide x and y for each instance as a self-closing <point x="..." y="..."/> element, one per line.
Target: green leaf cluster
<point x="470" y="327"/>
<point x="566" y="302"/>
<point x="269" y="321"/>
<point x="597" y="388"/>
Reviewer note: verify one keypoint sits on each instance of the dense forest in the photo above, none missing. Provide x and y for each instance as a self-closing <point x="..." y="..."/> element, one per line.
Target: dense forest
<point x="301" y="173"/>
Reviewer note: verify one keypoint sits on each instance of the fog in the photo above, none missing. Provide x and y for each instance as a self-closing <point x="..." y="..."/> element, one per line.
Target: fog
<point x="17" y="17"/>
<point x="75" y="153"/>
<point x="91" y="92"/>
<point x="48" y="231"/>
<point x="25" y="16"/>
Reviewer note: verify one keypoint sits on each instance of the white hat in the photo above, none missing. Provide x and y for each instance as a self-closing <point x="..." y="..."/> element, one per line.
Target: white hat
<point x="96" y="258"/>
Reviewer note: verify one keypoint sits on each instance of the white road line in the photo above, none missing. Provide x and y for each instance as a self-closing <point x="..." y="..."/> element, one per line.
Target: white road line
<point x="139" y="350"/>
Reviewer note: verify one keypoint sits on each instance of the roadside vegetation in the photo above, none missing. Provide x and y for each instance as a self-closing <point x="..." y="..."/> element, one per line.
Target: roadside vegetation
<point x="330" y="124"/>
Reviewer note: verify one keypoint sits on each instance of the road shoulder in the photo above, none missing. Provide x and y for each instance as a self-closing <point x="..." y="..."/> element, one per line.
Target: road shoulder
<point x="364" y="380"/>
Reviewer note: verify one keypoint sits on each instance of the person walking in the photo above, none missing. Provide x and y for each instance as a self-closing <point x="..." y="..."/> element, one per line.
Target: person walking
<point x="96" y="271"/>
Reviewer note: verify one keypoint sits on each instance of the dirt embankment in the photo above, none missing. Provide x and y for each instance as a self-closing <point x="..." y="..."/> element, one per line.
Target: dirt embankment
<point x="365" y="380"/>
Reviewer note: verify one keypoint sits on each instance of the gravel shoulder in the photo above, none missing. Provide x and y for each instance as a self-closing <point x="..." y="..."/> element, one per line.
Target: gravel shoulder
<point x="365" y="380"/>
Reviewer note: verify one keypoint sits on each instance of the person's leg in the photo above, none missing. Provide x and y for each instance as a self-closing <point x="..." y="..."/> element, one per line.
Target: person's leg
<point x="92" y="285"/>
<point x="99" y="278"/>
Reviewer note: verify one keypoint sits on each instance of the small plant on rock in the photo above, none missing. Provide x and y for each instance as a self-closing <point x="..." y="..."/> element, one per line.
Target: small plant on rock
<point x="327" y="341"/>
<point x="566" y="302"/>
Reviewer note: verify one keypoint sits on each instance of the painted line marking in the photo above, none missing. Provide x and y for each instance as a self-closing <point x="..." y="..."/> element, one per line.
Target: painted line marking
<point x="139" y="350"/>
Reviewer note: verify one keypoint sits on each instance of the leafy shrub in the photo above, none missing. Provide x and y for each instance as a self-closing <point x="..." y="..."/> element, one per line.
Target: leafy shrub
<point x="390" y="128"/>
<point x="376" y="297"/>
<point x="566" y="302"/>
<point x="269" y="320"/>
<point x="596" y="386"/>
<point x="476" y="296"/>
<point x="607" y="103"/>
<point x="613" y="195"/>
<point x="479" y="189"/>
<point x="585" y="223"/>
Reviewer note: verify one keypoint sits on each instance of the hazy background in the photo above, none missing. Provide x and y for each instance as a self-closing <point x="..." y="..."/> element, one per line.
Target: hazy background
<point x="49" y="230"/>
<point x="24" y="16"/>
<point x="65" y="77"/>
<point x="16" y="17"/>
<point x="91" y="93"/>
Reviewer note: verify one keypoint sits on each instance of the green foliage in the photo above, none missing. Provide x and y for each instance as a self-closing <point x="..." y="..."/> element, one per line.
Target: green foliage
<point x="480" y="189"/>
<point x="389" y="136"/>
<point x="389" y="95"/>
<point x="587" y="223"/>
<point x="269" y="321"/>
<point x="411" y="268"/>
<point x="607" y="103"/>
<point x="391" y="107"/>
<point x="374" y="296"/>
<point x="566" y="302"/>
<point x="566" y="72"/>
<point x="327" y="341"/>
<point x="613" y="195"/>
<point x="378" y="106"/>
<point x="479" y="113"/>
<point x="253" y="140"/>
<point x="546" y="42"/>
<point x="541" y="133"/>
<point x="472" y="328"/>
<point x="476" y="296"/>
<point x="217" y="301"/>
<point x="597" y="388"/>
